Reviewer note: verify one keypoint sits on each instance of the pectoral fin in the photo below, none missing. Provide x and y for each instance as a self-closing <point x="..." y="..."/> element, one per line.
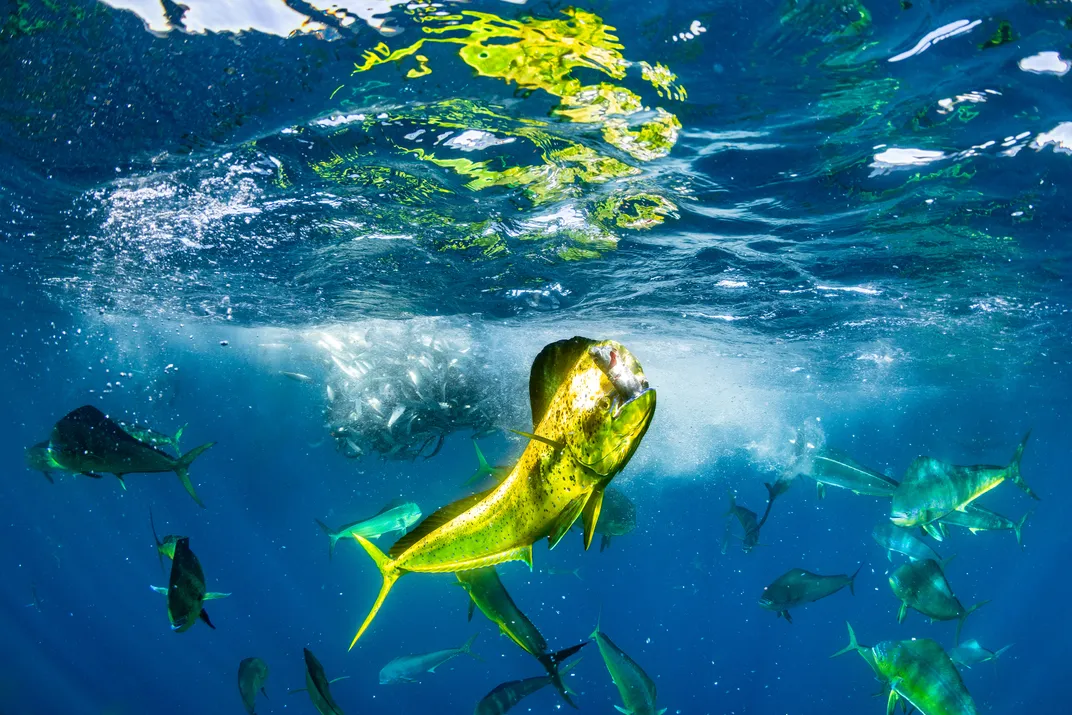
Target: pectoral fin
<point x="591" y="516"/>
<point x="891" y="702"/>
<point x="902" y="612"/>
<point x="120" y="478"/>
<point x="933" y="532"/>
<point x="159" y="589"/>
<point x="213" y="595"/>
<point x="565" y="520"/>
<point x="335" y="680"/>
<point x="623" y="710"/>
<point x="204" y="617"/>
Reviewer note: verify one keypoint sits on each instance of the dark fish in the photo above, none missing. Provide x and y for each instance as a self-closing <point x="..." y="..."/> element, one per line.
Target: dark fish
<point x="507" y="695"/>
<point x="186" y="593"/>
<point x="749" y="521"/>
<point x="252" y="672"/>
<point x="797" y="587"/>
<point x="921" y="585"/>
<point x="487" y="592"/>
<point x="316" y="684"/>
<point x="87" y="441"/>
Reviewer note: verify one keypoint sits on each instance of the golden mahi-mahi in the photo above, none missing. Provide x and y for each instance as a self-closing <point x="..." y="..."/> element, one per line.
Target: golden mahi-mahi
<point x="932" y="488"/>
<point x="919" y="672"/>
<point x="591" y="406"/>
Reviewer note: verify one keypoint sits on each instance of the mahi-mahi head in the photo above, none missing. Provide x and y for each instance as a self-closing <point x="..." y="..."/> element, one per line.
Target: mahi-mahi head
<point x="591" y="406"/>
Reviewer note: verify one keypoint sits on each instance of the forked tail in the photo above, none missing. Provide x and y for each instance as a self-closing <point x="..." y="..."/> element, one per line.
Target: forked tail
<point x="960" y="623"/>
<point x="853" y="645"/>
<point x="1018" y="527"/>
<point x="552" y="661"/>
<point x="852" y="581"/>
<point x="390" y="574"/>
<point x="1014" y="468"/>
<point x="182" y="467"/>
<point x="331" y="535"/>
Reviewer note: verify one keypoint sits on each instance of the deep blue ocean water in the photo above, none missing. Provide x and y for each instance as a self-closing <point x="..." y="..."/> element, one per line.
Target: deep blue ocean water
<point x="853" y="219"/>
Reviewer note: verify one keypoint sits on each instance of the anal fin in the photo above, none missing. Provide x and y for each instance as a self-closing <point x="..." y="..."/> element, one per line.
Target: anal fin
<point x="565" y="520"/>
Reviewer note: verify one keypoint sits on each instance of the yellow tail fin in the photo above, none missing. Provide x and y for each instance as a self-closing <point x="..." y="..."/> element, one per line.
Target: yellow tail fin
<point x="390" y="574"/>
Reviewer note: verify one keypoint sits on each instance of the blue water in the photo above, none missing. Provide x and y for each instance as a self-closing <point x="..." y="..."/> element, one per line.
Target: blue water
<point x="872" y="248"/>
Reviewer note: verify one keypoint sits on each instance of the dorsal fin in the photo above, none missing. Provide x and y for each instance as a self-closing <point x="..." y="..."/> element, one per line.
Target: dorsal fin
<point x="397" y="501"/>
<point x="435" y="520"/>
<point x="549" y="369"/>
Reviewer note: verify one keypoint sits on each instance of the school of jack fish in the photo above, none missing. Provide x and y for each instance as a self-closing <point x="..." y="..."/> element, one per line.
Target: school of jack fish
<point x="591" y="406"/>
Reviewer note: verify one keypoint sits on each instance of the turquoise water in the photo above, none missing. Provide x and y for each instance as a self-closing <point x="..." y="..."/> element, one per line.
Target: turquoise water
<point x="839" y="224"/>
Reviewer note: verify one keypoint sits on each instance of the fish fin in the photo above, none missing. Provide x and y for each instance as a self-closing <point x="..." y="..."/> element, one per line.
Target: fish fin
<point x="590" y="516"/>
<point x="182" y="466"/>
<point x="932" y="531"/>
<point x="788" y="618"/>
<point x="946" y="561"/>
<point x="472" y="610"/>
<point x="331" y="535"/>
<point x="558" y="446"/>
<point x="973" y="530"/>
<point x="390" y="574"/>
<point x="178" y="436"/>
<point x="549" y="369"/>
<point x="604" y="543"/>
<point x="48" y="476"/>
<point x="889" y="555"/>
<point x="999" y="651"/>
<point x="565" y="519"/>
<point x="483" y="469"/>
<point x="622" y="710"/>
<point x="160" y="589"/>
<point x="121" y="482"/>
<point x="295" y="691"/>
<point x="1014" y="468"/>
<point x="204" y="617"/>
<point x="341" y="677"/>
<point x="853" y="645"/>
<point x="902" y="612"/>
<point x="215" y="595"/>
<point x="820" y="489"/>
<point x="1018" y="527"/>
<point x="551" y="663"/>
<point x="852" y="580"/>
<point x="264" y="693"/>
<point x="159" y="545"/>
<point x="93" y="475"/>
<point x="467" y="647"/>
<point x="960" y="623"/>
<point x="435" y="520"/>
<point x="891" y="701"/>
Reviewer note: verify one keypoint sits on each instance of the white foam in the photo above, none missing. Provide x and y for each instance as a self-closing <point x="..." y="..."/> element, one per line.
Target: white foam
<point x="1045" y="63"/>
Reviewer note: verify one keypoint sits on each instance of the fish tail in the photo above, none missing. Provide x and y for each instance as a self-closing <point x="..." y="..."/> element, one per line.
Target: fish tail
<point x="467" y="647"/>
<point x="483" y="469"/>
<point x="552" y="661"/>
<point x="853" y="645"/>
<point x="1014" y="468"/>
<point x="390" y="574"/>
<point x="998" y="653"/>
<point x="1018" y="527"/>
<point x="960" y="623"/>
<point x="733" y="503"/>
<point x="852" y="580"/>
<point x="178" y="436"/>
<point x="331" y="535"/>
<point x="182" y="466"/>
<point x="599" y="619"/>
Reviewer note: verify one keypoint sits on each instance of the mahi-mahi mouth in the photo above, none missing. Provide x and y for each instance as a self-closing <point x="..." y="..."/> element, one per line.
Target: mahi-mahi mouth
<point x="900" y="518"/>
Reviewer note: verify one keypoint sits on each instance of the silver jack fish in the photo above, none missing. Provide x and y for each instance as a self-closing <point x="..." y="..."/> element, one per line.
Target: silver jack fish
<point x="976" y="518"/>
<point x="831" y="467"/>
<point x="635" y="687"/>
<point x="970" y="653"/>
<point x="252" y="672"/>
<point x="922" y="586"/>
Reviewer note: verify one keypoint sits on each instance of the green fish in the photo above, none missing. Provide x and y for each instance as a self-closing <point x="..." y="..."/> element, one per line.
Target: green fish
<point x="186" y="593"/>
<point x="797" y="587"/>
<point x="252" y="672"/>
<point x="486" y="592"/>
<point x="165" y="547"/>
<point x="153" y="438"/>
<point x="39" y="459"/>
<point x="634" y="685"/>
<point x="85" y="441"/>
<point x="407" y="668"/>
<point x="618" y="517"/>
<point x="507" y="695"/>
<point x="970" y="653"/>
<point x="317" y="685"/>
<point x="393" y="517"/>
<point x="917" y="671"/>
<point x="830" y="467"/>
<point x="976" y="518"/>
<point x="894" y="538"/>
<point x="932" y="488"/>
<point x="591" y="406"/>
<point x="485" y="470"/>
<point x="922" y="586"/>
